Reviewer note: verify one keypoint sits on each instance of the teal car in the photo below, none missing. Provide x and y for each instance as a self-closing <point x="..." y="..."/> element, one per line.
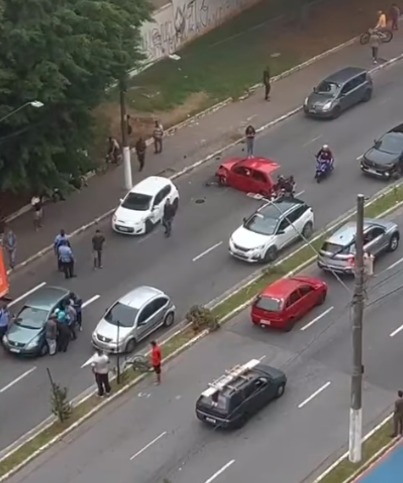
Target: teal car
<point x="26" y="334"/>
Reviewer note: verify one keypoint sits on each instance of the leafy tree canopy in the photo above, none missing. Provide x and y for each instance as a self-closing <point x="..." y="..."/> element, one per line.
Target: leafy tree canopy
<point x="63" y="53"/>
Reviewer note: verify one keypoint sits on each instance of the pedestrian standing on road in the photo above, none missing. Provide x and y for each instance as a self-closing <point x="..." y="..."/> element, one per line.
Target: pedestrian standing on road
<point x="98" y="241"/>
<point x="77" y="303"/>
<point x="266" y="83"/>
<point x="141" y="148"/>
<point x="100" y="368"/>
<point x="51" y="334"/>
<point x="72" y="319"/>
<point x="394" y="14"/>
<point x="374" y="42"/>
<point x="157" y="136"/>
<point x="156" y="360"/>
<point x="5" y="317"/>
<point x="37" y="206"/>
<point x="398" y="416"/>
<point x="250" y="134"/>
<point x="61" y="237"/>
<point x="10" y="244"/>
<point x="63" y="331"/>
<point x="168" y="217"/>
<point x="66" y="259"/>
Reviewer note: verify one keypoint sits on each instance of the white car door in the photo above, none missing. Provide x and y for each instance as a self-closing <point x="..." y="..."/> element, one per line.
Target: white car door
<point x="285" y="234"/>
<point x="157" y="209"/>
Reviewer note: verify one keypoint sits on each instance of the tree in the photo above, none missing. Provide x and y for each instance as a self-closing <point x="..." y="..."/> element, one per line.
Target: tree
<point x="64" y="53"/>
<point x="202" y="318"/>
<point x="61" y="406"/>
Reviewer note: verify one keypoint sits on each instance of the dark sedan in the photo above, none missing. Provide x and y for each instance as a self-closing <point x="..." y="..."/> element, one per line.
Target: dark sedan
<point x="385" y="158"/>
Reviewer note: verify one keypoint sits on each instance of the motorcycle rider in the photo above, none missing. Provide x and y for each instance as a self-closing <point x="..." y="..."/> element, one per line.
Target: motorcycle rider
<point x="285" y="186"/>
<point x="324" y="157"/>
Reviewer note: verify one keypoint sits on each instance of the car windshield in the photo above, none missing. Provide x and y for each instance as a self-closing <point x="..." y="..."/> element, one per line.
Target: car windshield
<point x="327" y="88"/>
<point x="261" y="224"/>
<point x="120" y="314"/>
<point x="335" y="249"/>
<point x="391" y="144"/>
<point x="31" y="318"/>
<point x="137" y="202"/>
<point x="269" y="304"/>
<point x="216" y="401"/>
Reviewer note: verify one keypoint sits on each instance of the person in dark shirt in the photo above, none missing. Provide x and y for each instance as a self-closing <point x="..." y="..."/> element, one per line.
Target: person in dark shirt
<point x="398" y="416"/>
<point x="266" y="83"/>
<point x="140" y="148"/>
<point x="98" y="241"/>
<point x="167" y="218"/>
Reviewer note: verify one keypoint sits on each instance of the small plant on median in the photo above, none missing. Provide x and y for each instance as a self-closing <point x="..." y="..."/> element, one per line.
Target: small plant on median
<point x="60" y="404"/>
<point x="202" y="318"/>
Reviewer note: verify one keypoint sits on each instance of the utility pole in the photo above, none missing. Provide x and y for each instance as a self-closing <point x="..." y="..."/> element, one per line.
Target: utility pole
<point x="355" y="430"/>
<point x="127" y="167"/>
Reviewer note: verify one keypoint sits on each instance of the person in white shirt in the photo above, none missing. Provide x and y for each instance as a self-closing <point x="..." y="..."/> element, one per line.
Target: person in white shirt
<point x="100" y="368"/>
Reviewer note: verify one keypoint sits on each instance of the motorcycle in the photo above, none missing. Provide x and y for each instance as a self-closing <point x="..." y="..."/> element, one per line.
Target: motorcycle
<point x="323" y="170"/>
<point x="385" y="36"/>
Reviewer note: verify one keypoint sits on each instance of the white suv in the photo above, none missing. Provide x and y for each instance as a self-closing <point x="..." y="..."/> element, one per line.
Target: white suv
<point x="143" y="206"/>
<point x="271" y="228"/>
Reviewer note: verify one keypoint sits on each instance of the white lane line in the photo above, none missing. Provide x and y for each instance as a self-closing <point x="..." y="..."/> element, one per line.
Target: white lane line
<point x="207" y="251"/>
<point x="220" y="471"/>
<point x="300" y="193"/>
<point x="398" y="262"/>
<point x="148" y="445"/>
<point x="316" y="319"/>
<point x="312" y="141"/>
<point x="17" y="379"/>
<point x="396" y="331"/>
<point x="313" y="395"/>
<point x="24" y="295"/>
<point x="90" y="301"/>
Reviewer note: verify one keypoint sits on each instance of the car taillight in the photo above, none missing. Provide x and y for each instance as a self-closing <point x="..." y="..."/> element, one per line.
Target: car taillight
<point x="351" y="261"/>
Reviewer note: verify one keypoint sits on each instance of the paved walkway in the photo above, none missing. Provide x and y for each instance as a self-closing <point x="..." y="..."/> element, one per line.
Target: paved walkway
<point x="189" y="145"/>
<point x="388" y="469"/>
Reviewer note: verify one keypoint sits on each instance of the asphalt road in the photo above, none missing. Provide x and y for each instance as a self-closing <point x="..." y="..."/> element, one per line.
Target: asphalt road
<point x="178" y="265"/>
<point x="152" y="433"/>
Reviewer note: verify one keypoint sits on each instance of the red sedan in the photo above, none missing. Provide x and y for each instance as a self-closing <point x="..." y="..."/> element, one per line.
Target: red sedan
<point x="251" y="175"/>
<point x="284" y="302"/>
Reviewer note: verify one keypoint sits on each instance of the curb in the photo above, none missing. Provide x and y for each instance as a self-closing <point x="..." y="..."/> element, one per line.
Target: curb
<point x="43" y="426"/>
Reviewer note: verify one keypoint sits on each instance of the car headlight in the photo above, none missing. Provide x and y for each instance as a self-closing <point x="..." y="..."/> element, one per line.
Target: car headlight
<point x="306" y="101"/>
<point x="33" y="343"/>
<point x="259" y="248"/>
<point x="327" y="106"/>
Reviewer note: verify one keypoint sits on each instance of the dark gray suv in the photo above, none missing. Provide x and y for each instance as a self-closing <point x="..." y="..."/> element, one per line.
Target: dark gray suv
<point x="339" y="92"/>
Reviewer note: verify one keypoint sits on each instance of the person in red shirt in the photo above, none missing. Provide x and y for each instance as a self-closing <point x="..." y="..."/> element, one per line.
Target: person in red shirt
<point x="156" y="360"/>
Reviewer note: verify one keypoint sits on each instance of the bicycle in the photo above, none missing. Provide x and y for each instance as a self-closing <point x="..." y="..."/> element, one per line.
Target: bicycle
<point x="138" y="364"/>
<point x="385" y="36"/>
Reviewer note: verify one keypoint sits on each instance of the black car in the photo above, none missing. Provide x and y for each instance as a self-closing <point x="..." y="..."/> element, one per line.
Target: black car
<point x="236" y="396"/>
<point x="385" y="158"/>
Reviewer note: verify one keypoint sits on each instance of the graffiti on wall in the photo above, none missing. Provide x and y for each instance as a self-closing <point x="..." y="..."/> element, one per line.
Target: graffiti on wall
<point x="182" y="20"/>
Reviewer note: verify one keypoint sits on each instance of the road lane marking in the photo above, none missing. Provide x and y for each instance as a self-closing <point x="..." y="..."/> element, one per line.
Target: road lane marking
<point x="26" y="294"/>
<point x="90" y="301"/>
<point x="220" y="471"/>
<point x="148" y="445"/>
<point x="316" y="319"/>
<point x="17" y="379"/>
<point x="396" y="331"/>
<point x="314" y="394"/>
<point x="207" y="251"/>
<point x="312" y="141"/>
<point x="398" y="262"/>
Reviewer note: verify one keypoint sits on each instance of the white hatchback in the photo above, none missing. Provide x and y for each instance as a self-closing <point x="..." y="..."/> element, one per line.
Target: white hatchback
<point x="270" y="229"/>
<point x="143" y="206"/>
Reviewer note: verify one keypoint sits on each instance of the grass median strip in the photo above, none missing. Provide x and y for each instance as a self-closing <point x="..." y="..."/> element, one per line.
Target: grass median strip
<point x="183" y="339"/>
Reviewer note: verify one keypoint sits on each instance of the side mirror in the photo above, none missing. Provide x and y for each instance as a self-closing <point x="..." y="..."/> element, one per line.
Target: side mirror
<point x="244" y="219"/>
<point x="281" y="232"/>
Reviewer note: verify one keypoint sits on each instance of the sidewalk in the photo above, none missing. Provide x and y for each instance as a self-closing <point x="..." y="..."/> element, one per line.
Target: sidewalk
<point x="189" y="145"/>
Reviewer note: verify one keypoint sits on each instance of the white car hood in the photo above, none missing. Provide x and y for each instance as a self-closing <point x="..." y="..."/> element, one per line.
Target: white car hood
<point x="130" y="216"/>
<point x="249" y="239"/>
<point x="110" y="331"/>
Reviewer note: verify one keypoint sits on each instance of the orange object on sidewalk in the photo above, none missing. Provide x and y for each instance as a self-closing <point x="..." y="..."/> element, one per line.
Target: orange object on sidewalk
<point x="4" y="286"/>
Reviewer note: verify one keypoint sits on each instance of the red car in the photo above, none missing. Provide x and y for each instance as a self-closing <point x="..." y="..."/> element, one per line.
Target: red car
<point x="251" y="175"/>
<point x="287" y="300"/>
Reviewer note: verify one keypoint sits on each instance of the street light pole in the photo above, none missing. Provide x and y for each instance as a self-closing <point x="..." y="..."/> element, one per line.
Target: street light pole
<point x="127" y="166"/>
<point x="355" y="429"/>
<point x="36" y="104"/>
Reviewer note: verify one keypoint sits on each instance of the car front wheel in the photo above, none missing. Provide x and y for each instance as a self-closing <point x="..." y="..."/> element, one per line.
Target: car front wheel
<point x="394" y="242"/>
<point x="270" y="255"/>
<point x="280" y="390"/>
<point x="169" y="319"/>
<point x="130" y="346"/>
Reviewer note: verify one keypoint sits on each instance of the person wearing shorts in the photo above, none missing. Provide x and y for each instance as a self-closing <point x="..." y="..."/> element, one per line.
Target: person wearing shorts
<point x="156" y="360"/>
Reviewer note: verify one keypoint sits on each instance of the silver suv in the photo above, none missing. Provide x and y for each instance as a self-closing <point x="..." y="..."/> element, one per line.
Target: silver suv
<point x="338" y="251"/>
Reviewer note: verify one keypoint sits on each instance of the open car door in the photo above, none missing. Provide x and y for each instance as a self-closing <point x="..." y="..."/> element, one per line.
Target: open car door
<point x="4" y="286"/>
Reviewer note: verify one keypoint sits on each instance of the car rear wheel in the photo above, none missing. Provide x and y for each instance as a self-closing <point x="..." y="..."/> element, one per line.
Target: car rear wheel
<point x="270" y="255"/>
<point x="169" y="319"/>
<point x="149" y="226"/>
<point x="175" y="204"/>
<point x="367" y="95"/>
<point x="322" y="298"/>
<point x="307" y="230"/>
<point x="280" y="390"/>
<point x="130" y="346"/>
<point x="394" y="242"/>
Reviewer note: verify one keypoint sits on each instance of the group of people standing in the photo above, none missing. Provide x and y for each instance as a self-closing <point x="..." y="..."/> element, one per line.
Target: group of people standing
<point x="63" y="323"/>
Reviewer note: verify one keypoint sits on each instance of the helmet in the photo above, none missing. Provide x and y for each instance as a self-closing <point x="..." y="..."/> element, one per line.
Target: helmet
<point x="325" y="147"/>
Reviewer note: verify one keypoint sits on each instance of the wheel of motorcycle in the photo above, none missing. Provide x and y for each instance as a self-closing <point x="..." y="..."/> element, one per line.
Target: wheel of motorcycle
<point x="318" y="178"/>
<point x="387" y="36"/>
<point x="364" y="38"/>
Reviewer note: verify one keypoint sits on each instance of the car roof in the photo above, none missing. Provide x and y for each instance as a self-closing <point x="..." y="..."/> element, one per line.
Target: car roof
<point x="151" y="186"/>
<point x="397" y="129"/>
<point x="346" y="234"/>
<point x="260" y="164"/>
<point x="139" y="296"/>
<point x="282" y="288"/>
<point x="45" y="298"/>
<point x="278" y="208"/>
<point x="344" y="75"/>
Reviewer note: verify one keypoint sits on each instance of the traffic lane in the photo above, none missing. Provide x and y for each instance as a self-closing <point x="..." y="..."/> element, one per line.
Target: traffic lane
<point x="147" y="444"/>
